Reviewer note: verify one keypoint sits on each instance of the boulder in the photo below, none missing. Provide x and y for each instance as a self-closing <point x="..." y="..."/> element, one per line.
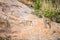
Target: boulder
<point x="17" y="23"/>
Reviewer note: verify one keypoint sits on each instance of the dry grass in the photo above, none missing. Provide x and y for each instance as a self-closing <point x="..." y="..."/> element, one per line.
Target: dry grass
<point x="27" y="2"/>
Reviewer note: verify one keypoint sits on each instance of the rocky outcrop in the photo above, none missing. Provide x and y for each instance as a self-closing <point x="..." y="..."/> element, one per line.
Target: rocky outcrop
<point x="17" y="23"/>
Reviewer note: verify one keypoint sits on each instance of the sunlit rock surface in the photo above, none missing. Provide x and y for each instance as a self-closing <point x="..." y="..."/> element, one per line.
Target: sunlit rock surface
<point x="17" y="23"/>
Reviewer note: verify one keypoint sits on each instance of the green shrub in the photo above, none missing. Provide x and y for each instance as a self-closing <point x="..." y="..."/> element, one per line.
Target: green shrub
<point x="58" y="19"/>
<point x="50" y="14"/>
<point x="54" y="15"/>
<point x="37" y="8"/>
<point x="37" y="5"/>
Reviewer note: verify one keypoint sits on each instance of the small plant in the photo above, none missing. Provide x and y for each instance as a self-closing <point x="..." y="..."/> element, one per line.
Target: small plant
<point x="54" y="15"/>
<point x="58" y="17"/>
<point x="50" y="14"/>
<point x="37" y="8"/>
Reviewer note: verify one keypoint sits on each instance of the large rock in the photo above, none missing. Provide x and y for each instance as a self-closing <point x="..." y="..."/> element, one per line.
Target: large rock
<point x="17" y="23"/>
